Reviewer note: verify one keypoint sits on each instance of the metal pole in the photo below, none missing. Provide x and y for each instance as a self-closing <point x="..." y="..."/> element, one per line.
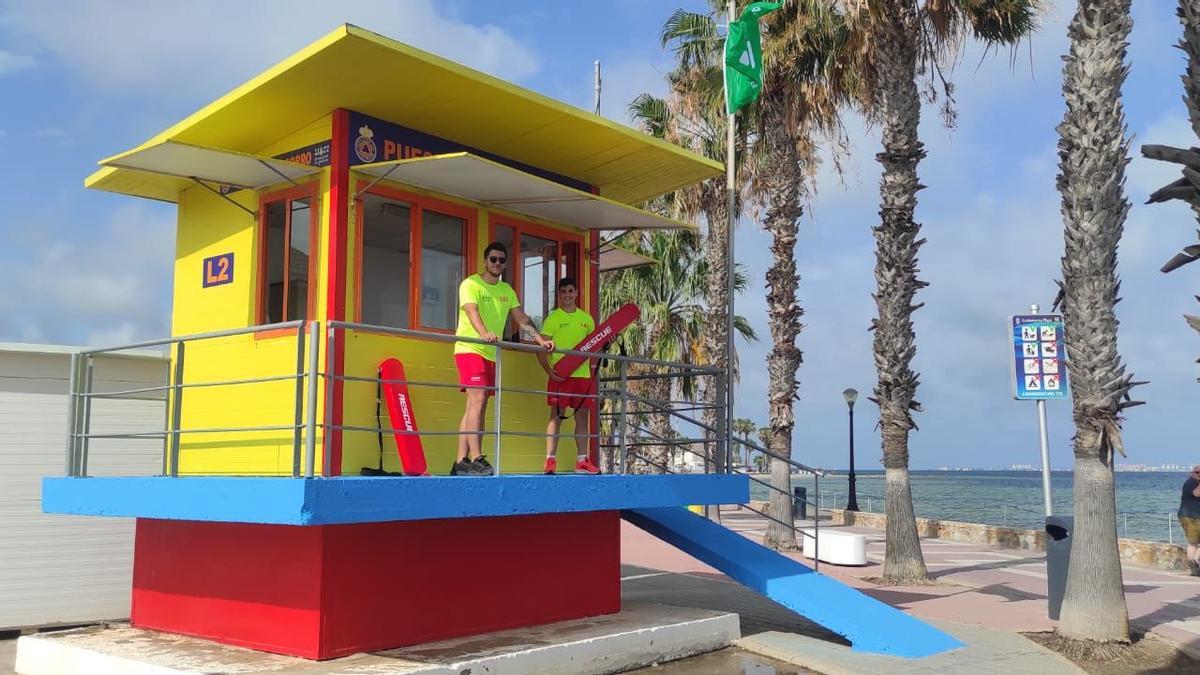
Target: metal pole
<point x="330" y="381"/>
<point x="817" y="525"/>
<point x="310" y="426"/>
<point x="72" y="413"/>
<point x="730" y="205"/>
<point x="1125" y="517"/>
<point x="88" y="372"/>
<point x="1042" y="436"/>
<point x="852" y="499"/>
<point x="299" y="400"/>
<point x="176" y="408"/>
<point x="499" y="379"/>
<point x="596" y="107"/>
<point x="622" y="422"/>
<point x="1170" y="530"/>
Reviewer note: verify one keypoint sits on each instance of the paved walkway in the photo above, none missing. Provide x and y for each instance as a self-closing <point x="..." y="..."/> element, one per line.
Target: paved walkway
<point x="983" y="585"/>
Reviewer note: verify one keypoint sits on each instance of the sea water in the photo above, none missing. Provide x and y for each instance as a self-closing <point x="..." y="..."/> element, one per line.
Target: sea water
<point x="1146" y="501"/>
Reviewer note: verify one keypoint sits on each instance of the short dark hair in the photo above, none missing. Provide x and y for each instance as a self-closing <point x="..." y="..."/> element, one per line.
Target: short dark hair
<point x="495" y="246"/>
<point x="567" y="281"/>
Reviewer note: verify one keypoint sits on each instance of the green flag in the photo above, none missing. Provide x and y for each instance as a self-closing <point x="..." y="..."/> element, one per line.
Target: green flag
<point x="743" y="57"/>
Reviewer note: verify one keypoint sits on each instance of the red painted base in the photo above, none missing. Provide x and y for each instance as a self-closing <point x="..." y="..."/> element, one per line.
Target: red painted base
<point x="326" y="591"/>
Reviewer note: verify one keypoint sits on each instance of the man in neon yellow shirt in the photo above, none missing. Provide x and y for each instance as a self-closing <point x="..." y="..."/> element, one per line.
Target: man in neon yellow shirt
<point x="484" y="303"/>
<point x="568" y="325"/>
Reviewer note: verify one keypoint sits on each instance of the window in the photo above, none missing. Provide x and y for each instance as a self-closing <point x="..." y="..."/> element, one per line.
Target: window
<point x="386" y="262"/>
<point x="397" y="288"/>
<point x="538" y="257"/>
<point x="288" y="233"/>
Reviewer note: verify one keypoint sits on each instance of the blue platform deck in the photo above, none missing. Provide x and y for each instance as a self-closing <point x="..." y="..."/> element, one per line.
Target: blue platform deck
<point x="335" y="501"/>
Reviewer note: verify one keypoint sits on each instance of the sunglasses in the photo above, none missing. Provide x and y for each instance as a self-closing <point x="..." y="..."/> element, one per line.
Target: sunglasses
<point x="497" y="259"/>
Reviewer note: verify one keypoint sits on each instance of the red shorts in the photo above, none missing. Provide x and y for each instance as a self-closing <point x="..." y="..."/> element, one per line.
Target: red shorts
<point x="570" y="393"/>
<point x="475" y="371"/>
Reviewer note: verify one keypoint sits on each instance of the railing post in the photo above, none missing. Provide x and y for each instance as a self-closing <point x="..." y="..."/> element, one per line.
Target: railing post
<point x="1004" y="514"/>
<point x="816" y="525"/>
<point x="176" y="407"/>
<point x="1170" y="530"/>
<point x="88" y="371"/>
<point x="497" y="416"/>
<point x="310" y="425"/>
<point x="299" y="419"/>
<point x="72" y="413"/>
<point x="621" y="428"/>
<point x="1125" y="517"/>
<point x="330" y="384"/>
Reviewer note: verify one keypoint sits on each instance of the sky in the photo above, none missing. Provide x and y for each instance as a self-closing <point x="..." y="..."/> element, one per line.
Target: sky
<point x="83" y="80"/>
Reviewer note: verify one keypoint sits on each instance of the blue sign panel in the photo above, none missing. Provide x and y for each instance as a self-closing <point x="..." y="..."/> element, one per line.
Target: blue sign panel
<point x="375" y="140"/>
<point x="1039" y="368"/>
<point x="218" y="270"/>
<point x="316" y="154"/>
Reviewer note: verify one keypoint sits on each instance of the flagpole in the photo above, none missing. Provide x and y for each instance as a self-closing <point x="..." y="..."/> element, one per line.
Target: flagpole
<point x="730" y="204"/>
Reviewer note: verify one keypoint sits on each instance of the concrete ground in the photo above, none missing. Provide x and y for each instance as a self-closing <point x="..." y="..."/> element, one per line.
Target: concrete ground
<point x="981" y="585"/>
<point x="985" y="586"/>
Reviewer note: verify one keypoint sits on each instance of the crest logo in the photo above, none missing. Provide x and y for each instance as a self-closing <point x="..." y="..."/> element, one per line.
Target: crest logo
<point x="364" y="145"/>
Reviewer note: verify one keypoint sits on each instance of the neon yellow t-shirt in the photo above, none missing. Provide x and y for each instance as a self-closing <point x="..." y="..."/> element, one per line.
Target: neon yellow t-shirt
<point x="568" y="329"/>
<point x="494" y="302"/>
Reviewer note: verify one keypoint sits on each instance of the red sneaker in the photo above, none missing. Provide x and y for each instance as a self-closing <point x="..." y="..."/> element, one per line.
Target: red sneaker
<point x="551" y="466"/>
<point x="585" y="466"/>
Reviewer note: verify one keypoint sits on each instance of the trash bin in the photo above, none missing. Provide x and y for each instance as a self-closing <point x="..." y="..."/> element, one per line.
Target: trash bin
<point x="1058" y="560"/>
<point x="800" y="503"/>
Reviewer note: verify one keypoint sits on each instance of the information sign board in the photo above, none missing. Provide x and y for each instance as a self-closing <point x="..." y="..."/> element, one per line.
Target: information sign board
<point x="1038" y="367"/>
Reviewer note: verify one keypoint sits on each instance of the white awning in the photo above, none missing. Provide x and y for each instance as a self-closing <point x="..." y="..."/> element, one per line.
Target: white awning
<point x="481" y="180"/>
<point x="174" y="160"/>
<point x="615" y="258"/>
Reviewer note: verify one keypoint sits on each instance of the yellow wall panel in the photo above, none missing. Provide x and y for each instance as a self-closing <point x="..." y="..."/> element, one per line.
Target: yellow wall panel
<point x="439" y="409"/>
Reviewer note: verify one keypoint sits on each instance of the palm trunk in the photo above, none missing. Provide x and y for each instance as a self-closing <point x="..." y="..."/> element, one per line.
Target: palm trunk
<point x="716" y="298"/>
<point x="896" y="247"/>
<point x="1093" y="152"/>
<point x="783" y="315"/>
<point x="659" y="390"/>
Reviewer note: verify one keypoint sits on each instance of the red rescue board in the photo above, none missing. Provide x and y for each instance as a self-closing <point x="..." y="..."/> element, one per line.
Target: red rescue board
<point x="599" y="339"/>
<point x="400" y="412"/>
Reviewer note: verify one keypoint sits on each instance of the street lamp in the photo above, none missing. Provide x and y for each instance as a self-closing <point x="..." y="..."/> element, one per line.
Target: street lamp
<point x="851" y="395"/>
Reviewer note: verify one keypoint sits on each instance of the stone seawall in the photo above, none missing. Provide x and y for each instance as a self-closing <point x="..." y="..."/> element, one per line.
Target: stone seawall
<point x="1133" y="551"/>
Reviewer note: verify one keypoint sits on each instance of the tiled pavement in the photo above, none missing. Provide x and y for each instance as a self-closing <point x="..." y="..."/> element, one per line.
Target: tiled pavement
<point x="982" y="585"/>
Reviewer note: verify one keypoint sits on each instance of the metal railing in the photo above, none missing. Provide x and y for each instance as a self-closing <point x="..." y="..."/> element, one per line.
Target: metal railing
<point x="81" y="396"/>
<point x="1010" y="516"/>
<point x="615" y="395"/>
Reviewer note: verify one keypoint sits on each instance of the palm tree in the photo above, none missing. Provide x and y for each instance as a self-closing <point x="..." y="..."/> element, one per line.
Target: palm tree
<point x="804" y="86"/>
<point x="1093" y="150"/>
<point x="904" y="40"/>
<point x="699" y="123"/>
<point x="672" y="326"/>
<point x="744" y="427"/>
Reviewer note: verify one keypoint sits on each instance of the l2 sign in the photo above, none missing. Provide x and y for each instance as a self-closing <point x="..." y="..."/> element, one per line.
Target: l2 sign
<point x="1038" y="370"/>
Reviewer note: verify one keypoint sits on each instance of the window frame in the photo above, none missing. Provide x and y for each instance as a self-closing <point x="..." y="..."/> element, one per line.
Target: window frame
<point x="419" y="203"/>
<point x="561" y="237"/>
<point x="309" y="190"/>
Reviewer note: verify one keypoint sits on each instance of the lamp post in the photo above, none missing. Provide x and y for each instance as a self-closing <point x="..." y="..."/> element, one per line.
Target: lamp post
<point x="851" y="395"/>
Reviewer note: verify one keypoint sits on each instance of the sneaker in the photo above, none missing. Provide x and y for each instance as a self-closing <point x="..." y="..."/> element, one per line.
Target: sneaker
<point x="551" y="466"/>
<point x="463" y="468"/>
<point x="481" y="467"/>
<point x="585" y="466"/>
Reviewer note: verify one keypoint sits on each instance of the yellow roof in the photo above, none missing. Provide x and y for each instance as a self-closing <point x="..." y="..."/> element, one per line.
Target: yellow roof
<point x="359" y="70"/>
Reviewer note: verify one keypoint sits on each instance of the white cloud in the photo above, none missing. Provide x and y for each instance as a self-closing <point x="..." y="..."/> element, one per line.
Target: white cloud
<point x="11" y="63"/>
<point x="177" y="50"/>
<point x="106" y="281"/>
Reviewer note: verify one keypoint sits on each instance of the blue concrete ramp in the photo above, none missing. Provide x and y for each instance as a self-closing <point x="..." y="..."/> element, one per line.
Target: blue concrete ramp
<point x="869" y="625"/>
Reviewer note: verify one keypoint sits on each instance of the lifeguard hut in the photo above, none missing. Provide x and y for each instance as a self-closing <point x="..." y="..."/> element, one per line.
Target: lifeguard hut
<point x="328" y="210"/>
